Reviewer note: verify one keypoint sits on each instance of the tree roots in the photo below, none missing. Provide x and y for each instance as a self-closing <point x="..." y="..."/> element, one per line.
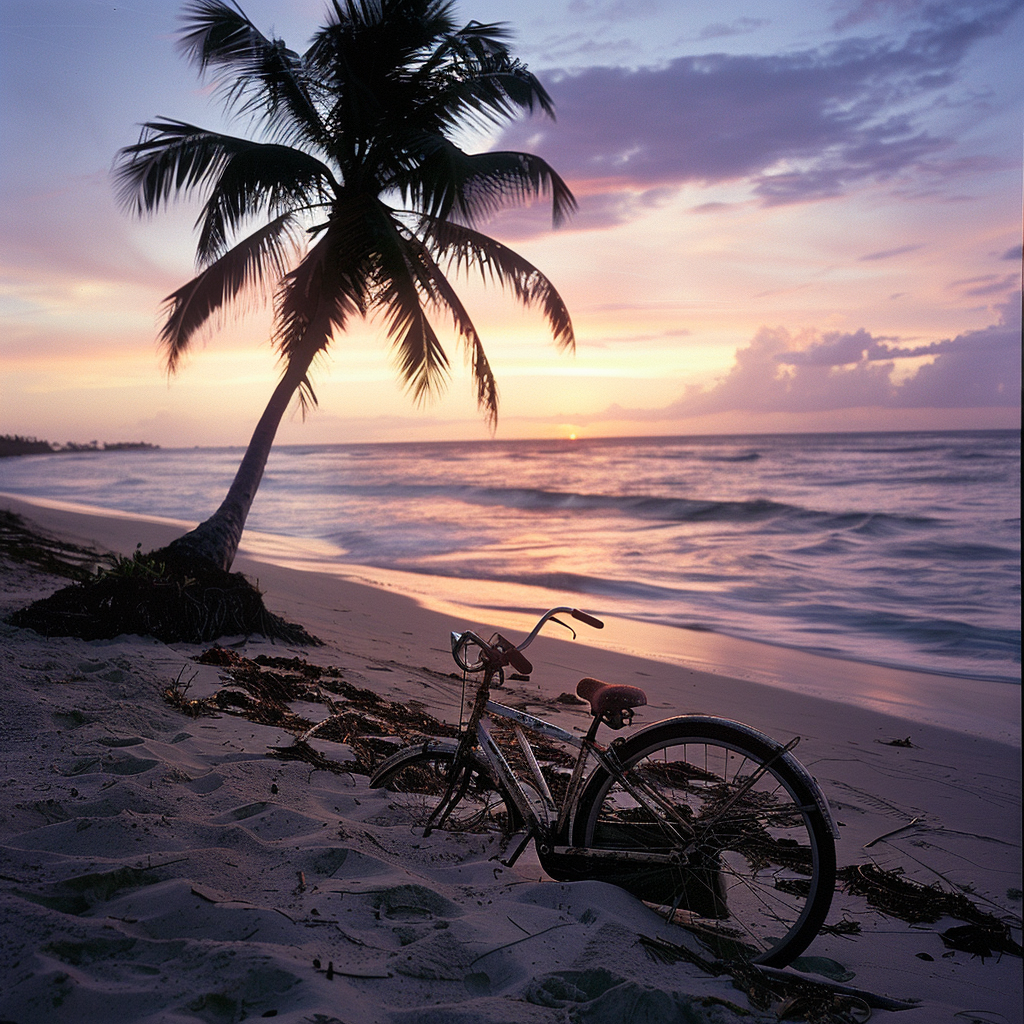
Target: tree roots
<point x="157" y="595"/>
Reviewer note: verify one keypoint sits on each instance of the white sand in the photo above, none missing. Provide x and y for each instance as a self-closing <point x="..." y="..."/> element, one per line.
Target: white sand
<point x="215" y="894"/>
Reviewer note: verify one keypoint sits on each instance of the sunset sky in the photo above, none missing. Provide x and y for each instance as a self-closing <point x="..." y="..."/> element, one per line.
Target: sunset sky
<point x="793" y="216"/>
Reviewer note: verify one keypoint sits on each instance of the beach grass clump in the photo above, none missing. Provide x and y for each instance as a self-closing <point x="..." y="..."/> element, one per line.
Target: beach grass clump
<point x="159" y="595"/>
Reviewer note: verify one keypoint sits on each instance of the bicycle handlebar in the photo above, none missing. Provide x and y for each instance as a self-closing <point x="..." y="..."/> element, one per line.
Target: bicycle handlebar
<point x="499" y="652"/>
<point x="588" y="619"/>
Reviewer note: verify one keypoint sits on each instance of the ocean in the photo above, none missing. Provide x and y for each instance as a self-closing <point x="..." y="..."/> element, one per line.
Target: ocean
<point x="899" y="549"/>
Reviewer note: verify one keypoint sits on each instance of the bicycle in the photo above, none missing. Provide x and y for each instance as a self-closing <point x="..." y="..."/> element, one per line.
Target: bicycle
<point x="706" y="820"/>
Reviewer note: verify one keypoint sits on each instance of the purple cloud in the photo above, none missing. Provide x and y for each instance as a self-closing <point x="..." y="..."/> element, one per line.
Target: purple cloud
<point x="798" y="126"/>
<point x="889" y="253"/>
<point x="987" y="284"/>
<point x="739" y="27"/>
<point x="978" y="369"/>
<point x="869" y="10"/>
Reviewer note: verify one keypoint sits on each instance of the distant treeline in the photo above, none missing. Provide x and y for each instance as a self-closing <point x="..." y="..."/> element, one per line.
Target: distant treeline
<point x="15" y="444"/>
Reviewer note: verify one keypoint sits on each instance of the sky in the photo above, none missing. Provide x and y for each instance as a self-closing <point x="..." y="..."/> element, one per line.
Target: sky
<point x="792" y="217"/>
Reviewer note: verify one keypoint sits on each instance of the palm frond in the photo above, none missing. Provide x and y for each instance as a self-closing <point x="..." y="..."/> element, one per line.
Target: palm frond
<point x="472" y="76"/>
<point x="402" y="284"/>
<point x="474" y="42"/>
<point x="446" y="299"/>
<point x="466" y="249"/>
<point x="257" y="75"/>
<point x="260" y="178"/>
<point x="246" y="267"/>
<point x="334" y="279"/>
<point x="447" y="182"/>
<point x="170" y="158"/>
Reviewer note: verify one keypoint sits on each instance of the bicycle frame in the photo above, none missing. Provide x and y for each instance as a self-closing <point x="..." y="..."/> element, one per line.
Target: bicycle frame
<point x="550" y="834"/>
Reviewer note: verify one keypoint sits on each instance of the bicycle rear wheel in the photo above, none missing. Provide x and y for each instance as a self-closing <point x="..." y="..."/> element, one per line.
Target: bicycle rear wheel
<point x="757" y="864"/>
<point x="417" y="778"/>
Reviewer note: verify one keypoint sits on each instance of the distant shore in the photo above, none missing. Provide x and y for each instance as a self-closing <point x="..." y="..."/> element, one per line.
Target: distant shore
<point x="14" y="444"/>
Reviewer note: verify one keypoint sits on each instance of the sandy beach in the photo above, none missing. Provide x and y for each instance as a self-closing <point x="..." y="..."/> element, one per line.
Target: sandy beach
<point x="163" y="868"/>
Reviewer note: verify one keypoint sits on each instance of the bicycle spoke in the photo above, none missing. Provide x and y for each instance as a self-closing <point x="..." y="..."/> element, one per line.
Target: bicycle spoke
<point x="418" y="786"/>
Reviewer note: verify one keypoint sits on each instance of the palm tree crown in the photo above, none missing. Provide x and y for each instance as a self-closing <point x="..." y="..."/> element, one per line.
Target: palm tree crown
<point x="356" y="197"/>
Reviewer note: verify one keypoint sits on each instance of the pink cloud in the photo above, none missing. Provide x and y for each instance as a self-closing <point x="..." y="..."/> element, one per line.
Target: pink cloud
<point x="773" y="373"/>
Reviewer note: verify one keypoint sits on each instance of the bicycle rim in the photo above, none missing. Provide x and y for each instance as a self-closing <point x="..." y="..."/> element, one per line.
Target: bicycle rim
<point x="757" y="867"/>
<point x="417" y="780"/>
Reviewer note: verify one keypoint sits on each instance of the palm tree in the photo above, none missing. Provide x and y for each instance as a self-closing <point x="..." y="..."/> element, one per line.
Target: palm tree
<point x="364" y="202"/>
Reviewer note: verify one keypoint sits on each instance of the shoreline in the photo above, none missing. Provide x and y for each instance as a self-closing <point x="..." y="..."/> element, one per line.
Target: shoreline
<point x="176" y="865"/>
<point x="975" y="707"/>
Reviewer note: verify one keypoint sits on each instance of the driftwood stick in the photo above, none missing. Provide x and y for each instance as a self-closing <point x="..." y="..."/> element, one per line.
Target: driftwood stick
<point x="872" y="999"/>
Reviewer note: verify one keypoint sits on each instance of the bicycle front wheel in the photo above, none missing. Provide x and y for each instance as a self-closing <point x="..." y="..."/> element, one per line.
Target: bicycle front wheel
<point x="417" y="779"/>
<point x="755" y="855"/>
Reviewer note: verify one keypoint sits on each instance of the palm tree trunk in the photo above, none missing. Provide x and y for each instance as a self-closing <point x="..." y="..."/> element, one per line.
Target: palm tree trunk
<point x="216" y="540"/>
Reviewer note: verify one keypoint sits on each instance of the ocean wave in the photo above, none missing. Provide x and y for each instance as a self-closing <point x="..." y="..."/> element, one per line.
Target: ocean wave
<point x="662" y="508"/>
<point x="940" y="552"/>
<point x="895" y="549"/>
<point x="743" y="457"/>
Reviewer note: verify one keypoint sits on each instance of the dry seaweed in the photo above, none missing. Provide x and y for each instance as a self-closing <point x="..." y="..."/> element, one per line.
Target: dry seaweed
<point x="55" y="557"/>
<point x="899" y="896"/>
<point x="982" y="939"/>
<point x="261" y="690"/>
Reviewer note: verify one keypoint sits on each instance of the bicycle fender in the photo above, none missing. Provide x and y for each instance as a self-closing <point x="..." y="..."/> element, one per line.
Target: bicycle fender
<point x="445" y="745"/>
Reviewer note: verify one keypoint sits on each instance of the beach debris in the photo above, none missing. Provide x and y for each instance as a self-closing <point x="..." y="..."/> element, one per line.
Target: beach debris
<point x="55" y="557"/>
<point x="791" y="996"/>
<point x="262" y="689"/>
<point x="989" y="939"/>
<point x="569" y="698"/>
<point x="891" y="892"/>
<point x="896" y="743"/>
<point x="895" y="831"/>
<point x="846" y="926"/>
<point x="177" y="696"/>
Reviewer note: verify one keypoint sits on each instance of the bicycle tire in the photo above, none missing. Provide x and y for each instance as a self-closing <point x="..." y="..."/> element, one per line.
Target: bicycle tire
<point x="417" y="778"/>
<point x="758" y="877"/>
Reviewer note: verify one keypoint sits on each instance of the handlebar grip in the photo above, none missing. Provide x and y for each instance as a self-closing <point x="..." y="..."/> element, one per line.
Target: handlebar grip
<point x="511" y="654"/>
<point x="588" y="619"/>
<point x="519" y="661"/>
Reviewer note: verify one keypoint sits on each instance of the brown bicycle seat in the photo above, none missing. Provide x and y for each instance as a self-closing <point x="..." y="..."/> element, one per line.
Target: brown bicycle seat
<point x="608" y="698"/>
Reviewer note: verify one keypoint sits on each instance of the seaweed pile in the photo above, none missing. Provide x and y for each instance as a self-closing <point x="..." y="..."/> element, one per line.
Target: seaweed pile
<point x="260" y="689"/>
<point x="896" y="896"/>
<point x="147" y="594"/>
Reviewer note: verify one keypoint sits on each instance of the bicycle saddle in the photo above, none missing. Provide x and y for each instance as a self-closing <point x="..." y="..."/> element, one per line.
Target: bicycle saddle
<point x="611" y="701"/>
